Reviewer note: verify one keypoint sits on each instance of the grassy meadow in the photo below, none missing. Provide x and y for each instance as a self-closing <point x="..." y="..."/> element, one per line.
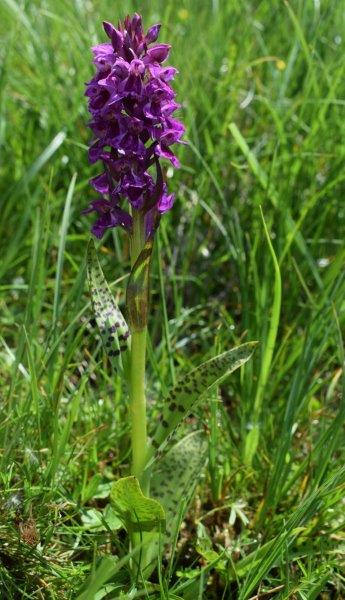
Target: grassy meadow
<point x="253" y="250"/>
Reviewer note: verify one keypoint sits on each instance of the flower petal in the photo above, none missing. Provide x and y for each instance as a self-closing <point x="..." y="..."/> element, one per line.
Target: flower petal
<point x="153" y="33"/>
<point x="158" y="53"/>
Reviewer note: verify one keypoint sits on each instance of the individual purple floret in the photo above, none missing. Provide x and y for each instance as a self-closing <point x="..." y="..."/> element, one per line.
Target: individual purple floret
<point x="132" y="106"/>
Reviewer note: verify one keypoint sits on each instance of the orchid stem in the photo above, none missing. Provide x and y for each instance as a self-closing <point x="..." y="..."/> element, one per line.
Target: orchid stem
<point x="138" y="402"/>
<point x="137" y="373"/>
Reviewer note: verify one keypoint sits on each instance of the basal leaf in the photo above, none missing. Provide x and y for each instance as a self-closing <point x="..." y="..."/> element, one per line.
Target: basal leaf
<point x="183" y="398"/>
<point x="176" y="475"/>
<point x="136" y="511"/>
<point x="112" y="325"/>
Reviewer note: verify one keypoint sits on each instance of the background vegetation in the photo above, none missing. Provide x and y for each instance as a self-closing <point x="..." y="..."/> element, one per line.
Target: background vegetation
<point x="261" y="85"/>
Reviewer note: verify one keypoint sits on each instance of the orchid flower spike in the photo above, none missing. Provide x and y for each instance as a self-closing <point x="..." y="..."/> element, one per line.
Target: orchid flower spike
<point x="131" y="103"/>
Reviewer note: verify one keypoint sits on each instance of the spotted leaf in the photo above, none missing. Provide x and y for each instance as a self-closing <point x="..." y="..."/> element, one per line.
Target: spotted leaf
<point x="111" y="323"/>
<point x="175" y="477"/>
<point x="191" y="388"/>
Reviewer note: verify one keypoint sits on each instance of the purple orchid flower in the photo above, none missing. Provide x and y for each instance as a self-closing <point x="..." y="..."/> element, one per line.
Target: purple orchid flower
<point x="131" y="103"/>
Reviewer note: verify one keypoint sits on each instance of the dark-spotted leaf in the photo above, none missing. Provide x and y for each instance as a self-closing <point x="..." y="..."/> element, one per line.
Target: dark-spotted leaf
<point x="176" y="475"/>
<point x="191" y="388"/>
<point x="137" y="512"/>
<point x="111" y="323"/>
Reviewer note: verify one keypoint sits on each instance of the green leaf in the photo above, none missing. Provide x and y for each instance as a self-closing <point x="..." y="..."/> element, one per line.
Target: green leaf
<point x="205" y="548"/>
<point x="189" y="390"/>
<point x="136" y="511"/>
<point x="138" y="289"/>
<point x="112" y="325"/>
<point x="176" y="475"/>
<point x="109" y="566"/>
<point x="95" y="520"/>
<point x="251" y="444"/>
<point x="253" y="437"/>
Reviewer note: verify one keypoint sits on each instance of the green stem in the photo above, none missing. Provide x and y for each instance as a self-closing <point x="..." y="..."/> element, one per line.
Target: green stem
<point x="137" y="372"/>
<point x="138" y="402"/>
<point x="138" y="236"/>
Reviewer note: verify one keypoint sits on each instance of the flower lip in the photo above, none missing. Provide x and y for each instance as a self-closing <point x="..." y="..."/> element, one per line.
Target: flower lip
<point x="137" y="67"/>
<point x="101" y="183"/>
<point x="109" y="215"/>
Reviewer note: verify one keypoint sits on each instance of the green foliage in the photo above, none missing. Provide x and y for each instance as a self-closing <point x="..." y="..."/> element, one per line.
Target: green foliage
<point x="112" y="325"/>
<point x="138" y="289"/>
<point x="176" y="475"/>
<point x="101" y="521"/>
<point x="262" y="88"/>
<point x="137" y="512"/>
<point x="191" y="388"/>
<point x="252" y="439"/>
